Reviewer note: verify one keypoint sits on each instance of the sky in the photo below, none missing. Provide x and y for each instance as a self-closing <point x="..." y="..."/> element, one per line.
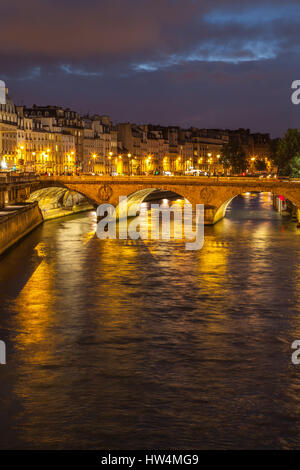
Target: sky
<point x="208" y="63"/>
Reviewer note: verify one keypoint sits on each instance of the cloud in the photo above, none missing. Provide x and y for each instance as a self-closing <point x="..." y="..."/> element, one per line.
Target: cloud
<point x="170" y="57"/>
<point x="211" y="52"/>
<point x="68" y="69"/>
<point x="143" y="35"/>
<point x="254" y="15"/>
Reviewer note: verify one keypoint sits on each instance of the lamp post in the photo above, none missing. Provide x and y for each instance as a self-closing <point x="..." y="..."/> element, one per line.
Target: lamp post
<point x="72" y="160"/>
<point x="34" y="161"/>
<point x="20" y="156"/>
<point x="109" y="163"/>
<point x="218" y="163"/>
<point x="129" y="164"/>
<point x="178" y="165"/>
<point x="209" y="162"/>
<point x="94" y="160"/>
<point x="120" y="168"/>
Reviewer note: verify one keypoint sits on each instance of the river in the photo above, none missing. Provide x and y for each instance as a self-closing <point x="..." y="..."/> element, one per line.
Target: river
<point x="144" y="345"/>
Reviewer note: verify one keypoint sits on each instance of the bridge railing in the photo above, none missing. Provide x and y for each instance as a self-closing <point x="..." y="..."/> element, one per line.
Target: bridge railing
<point x="9" y="177"/>
<point x="170" y="179"/>
<point x="151" y="180"/>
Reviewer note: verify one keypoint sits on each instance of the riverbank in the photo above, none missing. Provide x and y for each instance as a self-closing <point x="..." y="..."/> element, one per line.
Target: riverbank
<point x="16" y="221"/>
<point x="63" y="212"/>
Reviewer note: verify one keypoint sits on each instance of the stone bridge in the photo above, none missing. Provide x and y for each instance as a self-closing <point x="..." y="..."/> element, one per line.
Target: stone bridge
<point x="214" y="193"/>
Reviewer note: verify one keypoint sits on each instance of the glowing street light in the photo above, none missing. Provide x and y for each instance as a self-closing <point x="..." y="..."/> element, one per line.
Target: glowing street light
<point x="3" y="164"/>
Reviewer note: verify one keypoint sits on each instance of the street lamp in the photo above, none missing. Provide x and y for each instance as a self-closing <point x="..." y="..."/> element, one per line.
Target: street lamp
<point x="33" y="161"/>
<point x="3" y="164"/>
<point x="108" y="167"/>
<point x="166" y="166"/>
<point x="209" y="162"/>
<point x="94" y="157"/>
<point x="129" y="163"/>
<point x="20" y="154"/>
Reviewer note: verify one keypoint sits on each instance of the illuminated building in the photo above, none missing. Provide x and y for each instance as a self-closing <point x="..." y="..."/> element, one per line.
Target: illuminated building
<point x="56" y="140"/>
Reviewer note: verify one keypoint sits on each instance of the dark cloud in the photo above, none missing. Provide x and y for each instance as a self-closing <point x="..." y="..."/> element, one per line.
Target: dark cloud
<point x="205" y="63"/>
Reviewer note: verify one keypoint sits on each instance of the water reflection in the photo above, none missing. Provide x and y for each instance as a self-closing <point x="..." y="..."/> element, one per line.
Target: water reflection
<point x="142" y="344"/>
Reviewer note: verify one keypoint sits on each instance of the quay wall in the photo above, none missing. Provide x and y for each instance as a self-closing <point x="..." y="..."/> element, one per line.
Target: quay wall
<point x="17" y="224"/>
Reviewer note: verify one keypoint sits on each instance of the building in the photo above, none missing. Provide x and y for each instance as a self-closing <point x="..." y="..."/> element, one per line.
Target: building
<point x="8" y="130"/>
<point x="158" y="149"/>
<point x="56" y="140"/>
<point x="60" y="148"/>
<point x="100" y="145"/>
<point x="256" y="147"/>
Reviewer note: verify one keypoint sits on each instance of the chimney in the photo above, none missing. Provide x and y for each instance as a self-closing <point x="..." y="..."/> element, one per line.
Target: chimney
<point x="2" y="92"/>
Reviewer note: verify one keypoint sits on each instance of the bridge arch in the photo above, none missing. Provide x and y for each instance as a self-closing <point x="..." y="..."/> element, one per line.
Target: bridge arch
<point x="58" y="183"/>
<point x="53" y="199"/>
<point x="143" y="195"/>
<point x="220" y="210"/>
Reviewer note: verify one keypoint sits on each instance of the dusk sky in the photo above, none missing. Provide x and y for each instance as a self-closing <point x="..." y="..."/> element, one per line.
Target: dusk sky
<point x="216" y="64"/>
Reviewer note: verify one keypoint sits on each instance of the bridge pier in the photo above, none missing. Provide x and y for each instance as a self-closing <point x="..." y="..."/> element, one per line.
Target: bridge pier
<point x="298" y="217"/>
<point x="11" y="196"/>
<point x="209" y="215"/>
<point x="22" y="194"/>
<point x="14" y="195"/>
<point x="2" y="199"/>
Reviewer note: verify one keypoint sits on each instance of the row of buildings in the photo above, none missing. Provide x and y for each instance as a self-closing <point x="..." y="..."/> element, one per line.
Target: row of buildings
<point x="50" y="139"/>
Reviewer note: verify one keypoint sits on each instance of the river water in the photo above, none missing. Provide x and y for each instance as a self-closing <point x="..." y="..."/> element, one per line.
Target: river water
<point x="142" y="344"/>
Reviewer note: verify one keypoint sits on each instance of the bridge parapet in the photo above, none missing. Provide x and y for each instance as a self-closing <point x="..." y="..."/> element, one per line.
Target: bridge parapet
<point x="11" y="177"/>
<point x="16" y="187"/>
<point x="182" y="180"/>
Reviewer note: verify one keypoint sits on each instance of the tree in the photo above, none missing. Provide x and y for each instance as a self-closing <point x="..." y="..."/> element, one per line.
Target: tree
<point x="285" y="150"/>
<point x="233" y="156"/>
<point x="295" y="167"/>
<point x="274" y="152"/>
<point x="260" y="165"/>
